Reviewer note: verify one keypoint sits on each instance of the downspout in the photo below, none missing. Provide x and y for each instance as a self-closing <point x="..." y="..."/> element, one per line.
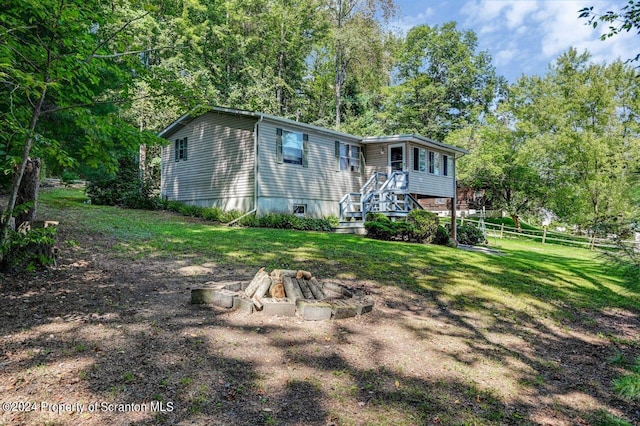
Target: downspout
<point x="255" y="173"/>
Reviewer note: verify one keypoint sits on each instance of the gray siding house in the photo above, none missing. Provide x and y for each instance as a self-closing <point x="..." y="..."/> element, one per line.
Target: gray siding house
<point x="261" y="163"/>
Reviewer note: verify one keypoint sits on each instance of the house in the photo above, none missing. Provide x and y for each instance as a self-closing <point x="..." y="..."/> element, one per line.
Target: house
<point x="261" y="163"/>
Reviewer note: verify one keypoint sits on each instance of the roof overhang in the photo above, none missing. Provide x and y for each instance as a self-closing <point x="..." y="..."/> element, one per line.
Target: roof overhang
<point x="196" y="112"/>
<point x="417" y="139"/>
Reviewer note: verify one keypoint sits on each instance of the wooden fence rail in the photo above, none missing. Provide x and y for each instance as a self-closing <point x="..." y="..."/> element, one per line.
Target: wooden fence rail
<point x="544" y="236"/>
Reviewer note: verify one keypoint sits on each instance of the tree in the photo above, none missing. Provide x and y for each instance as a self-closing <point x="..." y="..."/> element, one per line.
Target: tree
<point x="356" y="37"/>
<point x="584" y="120"/>
<point x="443" y="83"/>
<point x="59" y="78"/>
<point x="500" y="162"/>
<point x="627" y="19"/>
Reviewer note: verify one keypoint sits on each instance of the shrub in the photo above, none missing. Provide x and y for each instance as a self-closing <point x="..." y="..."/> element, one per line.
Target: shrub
<point x="380" y="230"/>
<point x="287" y="221"/>
<point x="470" y="235"/>
<point x="28" y="251"/>
<point x="425" y="225"/>
<point x="442" y="236"/>
<point x="124" y="188"/>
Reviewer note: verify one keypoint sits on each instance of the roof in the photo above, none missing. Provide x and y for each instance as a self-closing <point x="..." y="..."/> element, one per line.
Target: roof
<point x="421" y="140"/>
<point x="196" y="112"/>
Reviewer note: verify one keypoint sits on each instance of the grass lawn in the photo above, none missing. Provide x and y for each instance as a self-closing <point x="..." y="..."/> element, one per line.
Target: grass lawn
<point x="537" y="334"/>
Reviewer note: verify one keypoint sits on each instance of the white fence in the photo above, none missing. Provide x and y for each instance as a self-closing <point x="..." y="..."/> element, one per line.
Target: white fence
<point x="501" y="231"/>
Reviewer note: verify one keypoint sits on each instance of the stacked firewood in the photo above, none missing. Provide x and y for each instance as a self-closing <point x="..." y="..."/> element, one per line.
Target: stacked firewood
<point x="292" y="284"/>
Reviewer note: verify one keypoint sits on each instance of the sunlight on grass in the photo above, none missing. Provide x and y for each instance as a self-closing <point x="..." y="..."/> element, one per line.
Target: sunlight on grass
<point x="527" y="276"/>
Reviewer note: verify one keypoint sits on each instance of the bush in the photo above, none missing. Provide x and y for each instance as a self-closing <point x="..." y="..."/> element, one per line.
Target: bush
<point x="442" y="237"/>
<point x="124" y="188"/>
<point x="425" y="225"/>
<point x="380" y="229"/>
<point x="287" y="221"/>
<point x="470" y="235"/>
<point x="28" y="251"/>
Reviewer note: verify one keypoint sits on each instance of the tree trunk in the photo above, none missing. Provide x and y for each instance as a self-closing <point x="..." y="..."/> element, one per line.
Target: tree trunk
<point x="28" y="192"/>
<point x="516" y="221"/>
<point x="17" y="180"/>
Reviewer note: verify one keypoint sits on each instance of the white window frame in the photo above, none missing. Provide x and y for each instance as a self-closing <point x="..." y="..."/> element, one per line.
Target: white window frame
<point x="421" y="161"/>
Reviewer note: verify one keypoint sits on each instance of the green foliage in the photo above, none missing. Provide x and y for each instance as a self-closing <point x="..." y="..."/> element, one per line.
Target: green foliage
<point x="28" y="251"/>
<point x="442" y="237"/>
<point x="470" y="235"/>
<point x="445" y="84"/>
<point x="213" y="214"/>
<point x="288" y="221"/>
<point x="124" y="188"/>
<point x="425" y="225"/>
<point x="624" y="20"/>
<point x="420" y="226"/>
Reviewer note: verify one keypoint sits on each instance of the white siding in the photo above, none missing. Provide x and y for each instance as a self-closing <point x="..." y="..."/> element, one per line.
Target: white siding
<point x="319" y="185"/>
<point x="422" y="183"/>
<point x="427" y="184"/>
<point x="219" y="166"/>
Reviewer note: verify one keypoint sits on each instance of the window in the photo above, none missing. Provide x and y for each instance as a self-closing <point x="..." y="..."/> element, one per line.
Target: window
<point x="291" y="147"/>
<point x="434" y="163"/>
<point x="181" y="149"/>
<point x="441" y="201"/>
<point x="445" y="165"/>
<point x="419" y="159"/>
<point x="347" y="157"/>
<point x="300" y="210"/>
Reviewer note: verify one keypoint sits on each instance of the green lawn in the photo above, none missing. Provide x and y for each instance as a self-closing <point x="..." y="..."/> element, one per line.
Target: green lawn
<point x="528" y="277"/>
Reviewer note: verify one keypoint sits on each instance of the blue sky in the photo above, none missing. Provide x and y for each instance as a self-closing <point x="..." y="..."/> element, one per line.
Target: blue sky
<point x="524" y="36"/>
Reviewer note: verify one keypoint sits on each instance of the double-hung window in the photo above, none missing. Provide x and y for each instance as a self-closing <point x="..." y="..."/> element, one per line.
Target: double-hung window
<point x="419" y="159"/>
<point x="291" y="147"/>
<point x="434" y="163"/>
<point x="181" y="149"/>
<point x="348" y="157"/>
<point x="447" y="165"/>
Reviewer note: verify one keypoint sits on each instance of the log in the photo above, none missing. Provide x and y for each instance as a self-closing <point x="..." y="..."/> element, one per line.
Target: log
<point x="279" y="273"/>
<point x="292" y="288"/>
<point x="257" y="279"/>
<point x="262" y="289"/>
<point x="316" y="289"/>
<point x="304" y="274"/>
<point x="277" y="290"/>
<point x="305" y="289"/>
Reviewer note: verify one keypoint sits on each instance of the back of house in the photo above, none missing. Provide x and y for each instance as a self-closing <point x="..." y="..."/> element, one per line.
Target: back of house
<point x="260" y="163"/>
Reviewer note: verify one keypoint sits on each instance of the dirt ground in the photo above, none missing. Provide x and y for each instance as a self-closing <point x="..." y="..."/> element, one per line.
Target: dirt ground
<point x="105" y="339"/>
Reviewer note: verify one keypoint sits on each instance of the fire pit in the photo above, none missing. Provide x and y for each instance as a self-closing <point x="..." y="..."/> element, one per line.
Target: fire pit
<point x="285" y="292"/>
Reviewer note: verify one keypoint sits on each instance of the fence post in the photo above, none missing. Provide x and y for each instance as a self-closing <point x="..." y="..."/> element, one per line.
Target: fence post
<point x="502" y="230"/>
<point x="544" y="235"/>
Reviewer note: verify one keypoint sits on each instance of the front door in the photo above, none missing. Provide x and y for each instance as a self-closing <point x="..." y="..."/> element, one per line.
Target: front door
<point x="396" y="157"/>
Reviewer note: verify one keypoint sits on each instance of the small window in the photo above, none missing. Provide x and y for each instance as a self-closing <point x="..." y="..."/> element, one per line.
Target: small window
<point x="434" y="163"/>
<point x="441" y="201"/>
<point x="300" y="210"/>
<point x="181" y="149"/>
<point x="291" y="147"/>
<point x="348" y="157"/>
<point x="419" y="159"/>
<point x="445" y="165"/>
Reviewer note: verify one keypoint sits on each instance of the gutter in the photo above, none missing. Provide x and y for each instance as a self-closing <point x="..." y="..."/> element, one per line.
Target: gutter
<point x="255" y="173"/>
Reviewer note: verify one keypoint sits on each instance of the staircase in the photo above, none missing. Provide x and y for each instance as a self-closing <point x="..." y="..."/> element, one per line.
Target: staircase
<point x="381" y="194"/>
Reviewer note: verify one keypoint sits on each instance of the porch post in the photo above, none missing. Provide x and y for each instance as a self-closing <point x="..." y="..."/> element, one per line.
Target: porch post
<point x="454" y="234"/>
<point x="454" y="201"/>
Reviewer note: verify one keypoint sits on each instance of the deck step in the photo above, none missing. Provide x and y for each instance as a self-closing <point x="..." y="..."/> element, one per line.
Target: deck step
<point x="356" y="227"/>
